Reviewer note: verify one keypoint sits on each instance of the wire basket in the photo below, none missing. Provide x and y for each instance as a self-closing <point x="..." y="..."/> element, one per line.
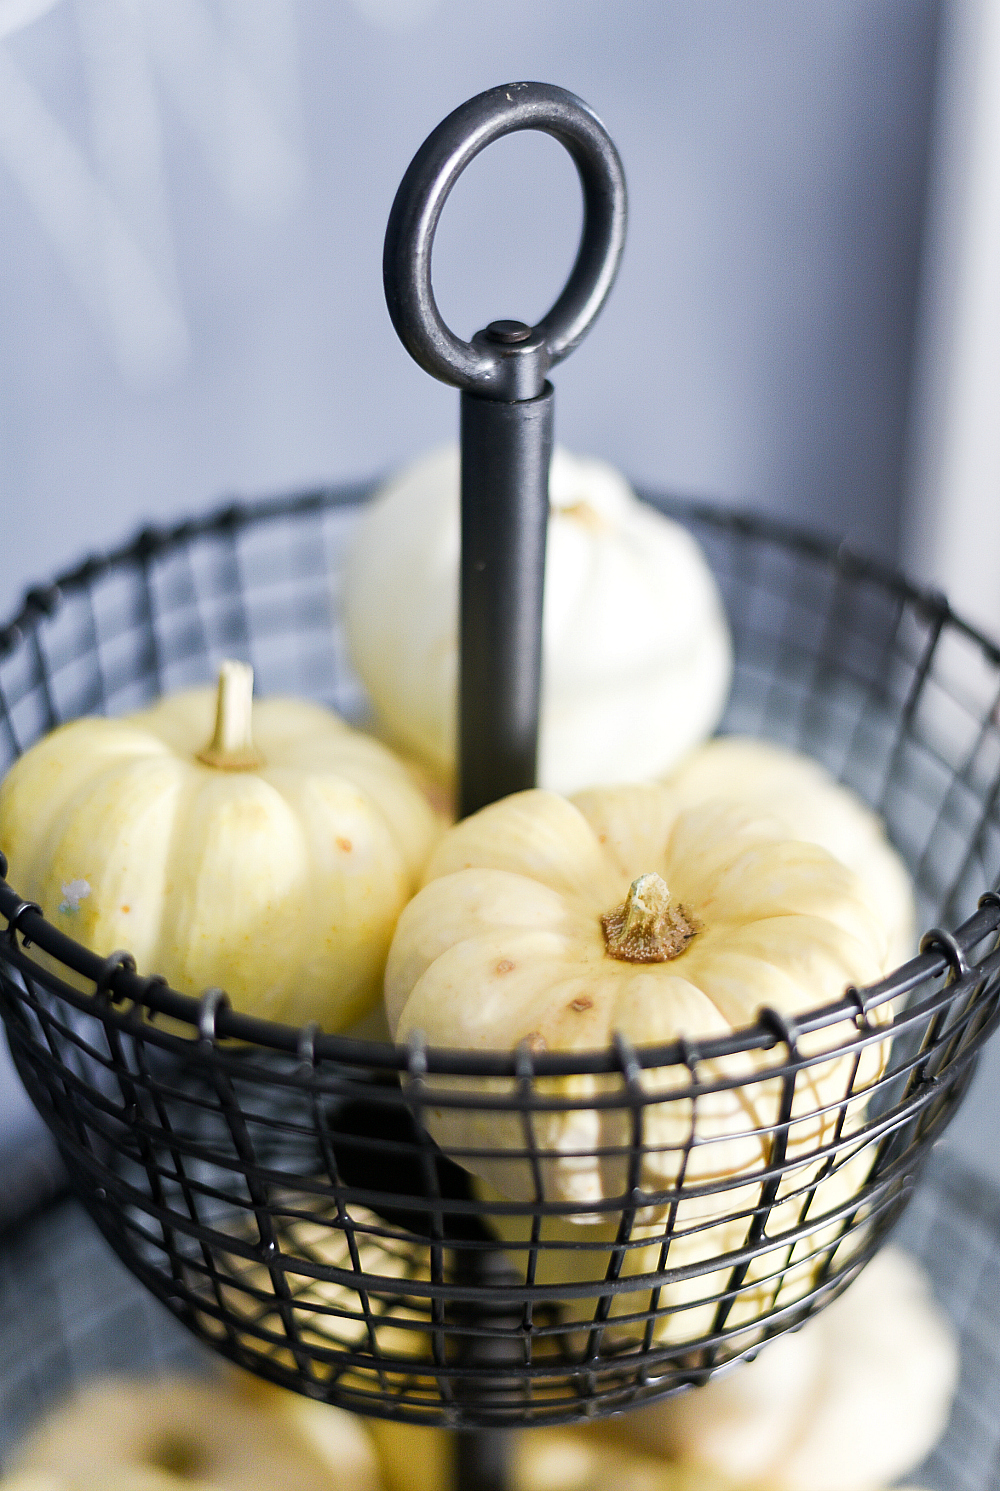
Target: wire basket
<point x="278" y="1188"/>
<point x="69" y="1313"/>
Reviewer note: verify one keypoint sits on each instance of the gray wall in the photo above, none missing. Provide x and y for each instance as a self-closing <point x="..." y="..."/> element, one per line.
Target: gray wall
<point x="756" y="347"/>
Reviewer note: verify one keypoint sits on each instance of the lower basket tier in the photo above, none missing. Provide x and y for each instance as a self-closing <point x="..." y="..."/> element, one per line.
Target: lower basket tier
<point x="71" y="1314"/>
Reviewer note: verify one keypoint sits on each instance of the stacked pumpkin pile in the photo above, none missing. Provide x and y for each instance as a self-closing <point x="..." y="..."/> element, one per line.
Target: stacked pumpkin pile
<point x="654" y="886"/>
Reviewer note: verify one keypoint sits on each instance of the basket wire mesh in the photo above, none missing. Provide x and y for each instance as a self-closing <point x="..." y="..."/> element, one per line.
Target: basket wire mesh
<point x="69" y="1313"/>
<point x="278" y="1188"/>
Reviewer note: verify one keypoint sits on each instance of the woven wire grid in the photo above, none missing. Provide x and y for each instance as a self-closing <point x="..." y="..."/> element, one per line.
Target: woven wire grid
<point x="280" y="1189"/>
<point x="69" y="1313"/>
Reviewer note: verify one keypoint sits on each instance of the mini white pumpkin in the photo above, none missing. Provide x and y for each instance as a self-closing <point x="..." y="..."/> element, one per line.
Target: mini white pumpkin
<point x="855" y="1399"/>
<point x="559" y="923"/>
<point x="589" y="1458"/>
<point x="809" y="804"/>
<point x="677" y="1266"/>
<point x="636" y="652"/>
<point x="157" y="1432"/>
<point x="271" y="859"/>
<point x="89" y="1478"/>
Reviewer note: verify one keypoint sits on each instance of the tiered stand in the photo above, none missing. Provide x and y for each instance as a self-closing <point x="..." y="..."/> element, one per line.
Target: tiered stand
<point x="277" y="1188"/>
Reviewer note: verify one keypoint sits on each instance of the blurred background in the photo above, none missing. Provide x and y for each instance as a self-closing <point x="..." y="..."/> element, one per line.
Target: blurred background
<point x="193" y="195"/>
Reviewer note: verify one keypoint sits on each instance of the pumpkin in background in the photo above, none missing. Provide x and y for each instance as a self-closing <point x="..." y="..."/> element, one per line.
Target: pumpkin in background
<point x="329" y="1316"/>
<point x="130" y="1479"/>
<point x="575" y="1459"/>
<point x="676" y="1263"/>
<point x="162" y="1431"/>
<point x="636" y="655"/>
<point x="591" y="1457"/>
<point x="855" y="1399"/>
<point x="810" y="804"/>
<point x="558" y="924"/>
<point x="270" y="858"/>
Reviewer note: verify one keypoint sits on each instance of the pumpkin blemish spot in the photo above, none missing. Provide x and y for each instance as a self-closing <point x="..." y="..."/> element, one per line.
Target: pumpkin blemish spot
<point x="125" y="910"/>
<point x="345" y="845"/>
<point x="74" y="892"/>
<point x="535" y="1042"/>
<point x="505" y="966"/>
<point x="584" y="1002"/>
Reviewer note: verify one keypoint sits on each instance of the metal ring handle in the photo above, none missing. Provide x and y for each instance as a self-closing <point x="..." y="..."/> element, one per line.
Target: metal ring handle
<point x="423" y="191"/>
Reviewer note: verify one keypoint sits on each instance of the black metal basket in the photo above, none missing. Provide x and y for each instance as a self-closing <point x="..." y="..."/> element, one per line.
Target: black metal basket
<point x="278" y="1189"/>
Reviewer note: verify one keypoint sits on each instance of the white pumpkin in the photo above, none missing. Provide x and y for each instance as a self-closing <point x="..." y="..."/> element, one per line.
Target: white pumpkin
<point x="328" y="1315"/>
<point x="157" y="1432"/>
<point x="636" y="651"/>
<point x="588" y="1459"/>
<point x="685" y="1304"/>
<point x="271" y="859"/>
<point x="855" y="1399"/>
<point x="573" y="1459"/>
<point x="559" y="923"/>
<point x="809" y="804"/>
<point x="591" y="1457"/>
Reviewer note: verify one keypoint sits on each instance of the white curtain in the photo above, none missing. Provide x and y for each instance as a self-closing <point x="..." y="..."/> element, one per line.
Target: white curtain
<point x="954" y="529"/>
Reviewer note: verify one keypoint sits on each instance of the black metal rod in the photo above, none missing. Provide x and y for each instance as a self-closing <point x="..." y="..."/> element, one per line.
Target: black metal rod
<point x="506" y="450"/>
<point x="482" y="1460"/>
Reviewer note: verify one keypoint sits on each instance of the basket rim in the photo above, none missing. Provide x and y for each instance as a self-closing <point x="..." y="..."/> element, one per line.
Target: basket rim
<point x="115" y="977"/>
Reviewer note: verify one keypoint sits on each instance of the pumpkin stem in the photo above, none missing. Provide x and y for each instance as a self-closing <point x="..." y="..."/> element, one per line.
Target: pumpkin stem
<point x="647" y="927"/>
<point x="231" y="747"/>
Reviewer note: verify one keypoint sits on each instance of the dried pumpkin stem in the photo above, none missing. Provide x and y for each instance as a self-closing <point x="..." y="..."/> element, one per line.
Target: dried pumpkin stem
<point x="648" y="927"/>
<point x="231" y="747"/>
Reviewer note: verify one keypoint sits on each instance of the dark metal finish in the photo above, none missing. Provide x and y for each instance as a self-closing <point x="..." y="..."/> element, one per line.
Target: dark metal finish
<point x="506" y="450"/>
<point x="507" y="333"/>
<point x="413" y="220"/>
<point x="506" y="414"/>
<point x="482" y="1460"/>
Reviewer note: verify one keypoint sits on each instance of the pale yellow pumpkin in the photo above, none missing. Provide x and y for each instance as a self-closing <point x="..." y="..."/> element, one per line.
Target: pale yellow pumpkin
<point x="636" y="652"/>
<point x="271" y="859"/>
<point x="505" y="945"/>
<point x="809" y="804"/>
<point x="157" y="1432"/>
<point x="849" y="1403"/>
<point x="330" y="1317"/>
<point x="573" y="1459"/>
<point x="685" y="1305"/>
<point x="590" y="1457"/>
<point x="129" y="1478"/>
